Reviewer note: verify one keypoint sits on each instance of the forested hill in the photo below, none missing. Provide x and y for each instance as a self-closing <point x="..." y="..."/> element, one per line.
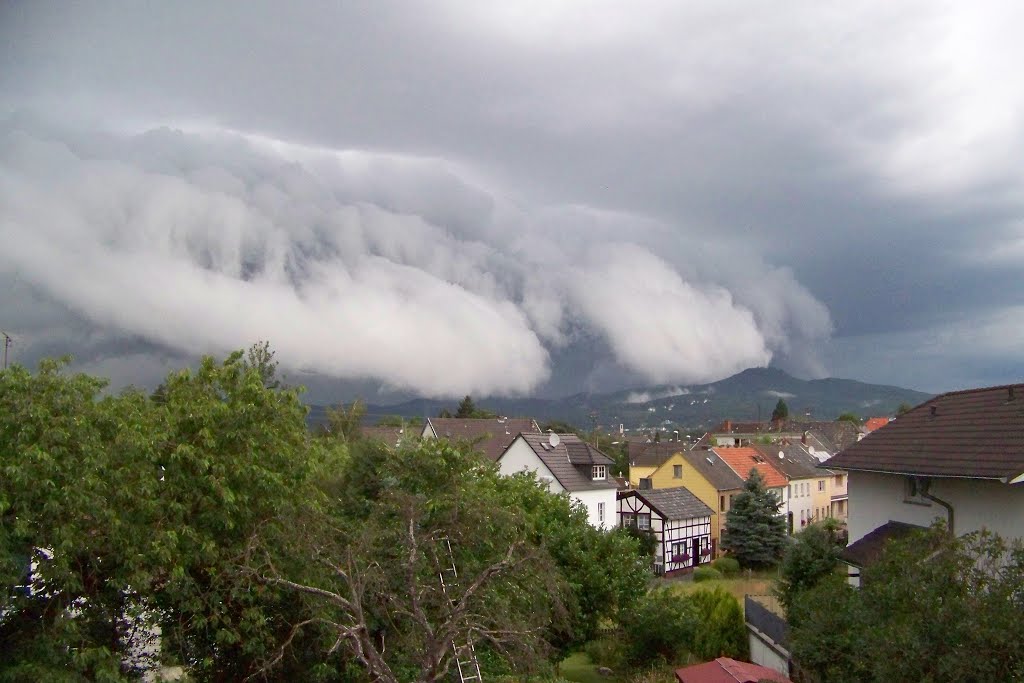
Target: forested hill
<point x="749" y="395"/>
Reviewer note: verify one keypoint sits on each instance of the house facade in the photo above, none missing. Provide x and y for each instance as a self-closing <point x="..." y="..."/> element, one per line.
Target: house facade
<point x="958" y="458"/>
<point x="679" y="521"/>
<point x="564" y="462"/>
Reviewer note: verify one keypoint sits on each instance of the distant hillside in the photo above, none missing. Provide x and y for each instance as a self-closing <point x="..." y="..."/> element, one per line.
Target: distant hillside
<point x="749" y="395"/>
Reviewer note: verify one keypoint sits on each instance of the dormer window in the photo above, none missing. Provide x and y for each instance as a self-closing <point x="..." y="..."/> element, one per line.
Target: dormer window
<point x="599" y="472"/>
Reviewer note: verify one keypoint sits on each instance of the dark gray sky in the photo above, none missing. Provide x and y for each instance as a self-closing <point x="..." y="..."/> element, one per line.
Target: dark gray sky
<point x="453" y="197"/>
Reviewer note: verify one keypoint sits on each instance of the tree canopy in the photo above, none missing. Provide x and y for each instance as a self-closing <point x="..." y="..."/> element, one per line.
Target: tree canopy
<point x="933" y="608"/>
<point x="781" y="411"/>
<point x="812" y="557"/>
<point x="209" y="515"/>
<point x="755" y="533"/>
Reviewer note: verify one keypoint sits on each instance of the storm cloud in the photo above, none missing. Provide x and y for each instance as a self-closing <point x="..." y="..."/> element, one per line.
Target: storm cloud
<point x="449" y="198"/>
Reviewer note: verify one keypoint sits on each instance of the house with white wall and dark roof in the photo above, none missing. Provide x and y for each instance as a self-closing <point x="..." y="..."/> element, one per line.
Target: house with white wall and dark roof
<point x="679" y="522"/>
<point x="567" y="463"/>
<point x="958" y="458"/>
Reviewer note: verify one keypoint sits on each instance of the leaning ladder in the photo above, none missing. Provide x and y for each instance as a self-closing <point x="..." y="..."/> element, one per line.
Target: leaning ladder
<point x="465" y="653"/>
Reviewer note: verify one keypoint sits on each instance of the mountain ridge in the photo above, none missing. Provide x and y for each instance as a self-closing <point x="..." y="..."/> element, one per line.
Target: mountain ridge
<point x="748" y="395"/>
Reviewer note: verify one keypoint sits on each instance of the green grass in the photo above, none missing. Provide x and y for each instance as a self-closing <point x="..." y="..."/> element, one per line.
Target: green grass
<point x="577" y="667"/>
<point x="753" y="583"/>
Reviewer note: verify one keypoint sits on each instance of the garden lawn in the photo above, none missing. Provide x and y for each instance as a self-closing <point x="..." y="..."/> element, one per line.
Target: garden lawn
<point x="755" y="583"/>
<point x="577" y="667"/>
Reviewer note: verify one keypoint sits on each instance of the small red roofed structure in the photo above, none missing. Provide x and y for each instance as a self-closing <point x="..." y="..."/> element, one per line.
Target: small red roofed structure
<point x="726" y="670"/>
<point x="873" y="423"/>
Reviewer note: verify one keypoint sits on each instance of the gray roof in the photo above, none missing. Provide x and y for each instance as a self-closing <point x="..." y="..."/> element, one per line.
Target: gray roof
<point x="796" y="462"/>
<point x="674" y="503"/>
<point x="651" y="454"/>
<point x="714" y="469"/>
<point x="571" y="461"/>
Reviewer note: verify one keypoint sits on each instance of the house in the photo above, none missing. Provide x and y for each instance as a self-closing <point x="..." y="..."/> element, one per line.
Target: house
<point x="679" y="521"/>
<point x="566" y="463"/>
<point x="839" y="433"/>
<point x="391" y="436"/>
<point x="645" y="457"/>
<point x="726" y="670"/>
<point x="807" y="495"/>
<point x="490" y="435"/>
<point x="958" y="458"/>
<point x="706" y="475"/>
<point x="744" y="459"/>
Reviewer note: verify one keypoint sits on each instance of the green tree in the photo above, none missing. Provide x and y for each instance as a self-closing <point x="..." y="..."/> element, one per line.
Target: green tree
<point x="755" y="533"/>
<point x="345" y="422"/>
<point x="660" y="628"/>
<point x="722" y="631"/>
<point x="849" y="417"/>
<point x="904" y="408"/>
<point x="468" y="409"/>
<point x="813" y="556"/>
<point x="933" y="608"/>
<point x="781" y="411"/>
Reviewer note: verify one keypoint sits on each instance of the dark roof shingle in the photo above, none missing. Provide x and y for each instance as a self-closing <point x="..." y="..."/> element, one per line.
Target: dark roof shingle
<point x="673" y="503"/>
<point x="714" y="469"/>
<point x="491" y="436"/>
<point x="866" y="550"/>
<point x="564" y="461"/>
<point x="653" y="454"/>
<point x="978" y="433"/>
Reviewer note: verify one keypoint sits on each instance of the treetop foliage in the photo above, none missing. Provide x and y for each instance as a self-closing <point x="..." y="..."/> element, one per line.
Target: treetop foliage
<point x="780" y="412"/>
<point x="755" y="533"/>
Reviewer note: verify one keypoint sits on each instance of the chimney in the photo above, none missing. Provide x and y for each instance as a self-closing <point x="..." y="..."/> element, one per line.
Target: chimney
<point x="803" y="439"/>
<point x="728" y="425"/>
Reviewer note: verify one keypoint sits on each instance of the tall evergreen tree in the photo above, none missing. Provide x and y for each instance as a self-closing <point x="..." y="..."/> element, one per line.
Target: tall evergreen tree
<point x="755" y="532"/>
<point x="781" y="411"/>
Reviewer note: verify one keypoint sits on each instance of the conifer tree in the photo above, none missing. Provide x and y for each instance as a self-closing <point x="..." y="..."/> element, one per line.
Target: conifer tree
<point x="755" y="532"/>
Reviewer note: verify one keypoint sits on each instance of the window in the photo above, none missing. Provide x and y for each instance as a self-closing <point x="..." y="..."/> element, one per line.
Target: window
<point x="721" y="505"/>
<point x="821" y="484"/>
<point x="637" y="520"/>
<point x="643" y="521"/>
<point x="677" y="471"/>
<point x="789" y="490"/>
<point x="600" y="513"/>
<point x="628" y="519"/>
<point x="599" y="472"/>
<point x="911" y="493"/>
<point x="839" y="480"/>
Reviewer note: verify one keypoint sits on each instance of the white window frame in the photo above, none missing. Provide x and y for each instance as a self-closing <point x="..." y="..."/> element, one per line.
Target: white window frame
<point x="600" y="512"/>
<point x="600" y="472"/>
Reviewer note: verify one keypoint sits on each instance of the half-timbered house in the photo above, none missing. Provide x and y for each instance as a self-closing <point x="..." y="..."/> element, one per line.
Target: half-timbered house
<point x="679" y="521"/>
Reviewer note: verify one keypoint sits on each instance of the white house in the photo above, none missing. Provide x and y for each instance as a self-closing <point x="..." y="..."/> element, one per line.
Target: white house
<point x="958" y="458"/>
<point x="679" y="521"/>
<point x="567" y="463"/>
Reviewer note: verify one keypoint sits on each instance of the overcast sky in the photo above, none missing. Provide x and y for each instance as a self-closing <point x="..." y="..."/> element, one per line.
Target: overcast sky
<point x="516" y="197"/>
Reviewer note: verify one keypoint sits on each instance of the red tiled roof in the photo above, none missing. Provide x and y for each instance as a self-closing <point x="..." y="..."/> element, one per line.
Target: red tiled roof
<point x="873" y="423"/>
<point x="743" y="459"/>
<point x="978" y="433"/>
<point x="726" y="670"/>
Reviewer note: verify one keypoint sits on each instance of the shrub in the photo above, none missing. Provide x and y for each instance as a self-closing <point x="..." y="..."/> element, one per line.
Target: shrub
<point x="660" y="627"/>
<point x="607" y="651"/>
<point x="706" y="573"/>
<point x="726" y="565"/>
<point x="722" y="631"/>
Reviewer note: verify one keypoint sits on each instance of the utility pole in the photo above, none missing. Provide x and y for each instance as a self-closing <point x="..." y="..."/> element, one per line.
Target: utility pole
<point x="7" y="345"/>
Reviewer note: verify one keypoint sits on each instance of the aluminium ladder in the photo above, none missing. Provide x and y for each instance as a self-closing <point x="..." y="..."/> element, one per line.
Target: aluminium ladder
<point x="465" y="654"/>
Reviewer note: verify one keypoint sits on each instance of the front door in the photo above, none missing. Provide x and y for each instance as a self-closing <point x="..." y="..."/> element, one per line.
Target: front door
<point x="696" y="551"/>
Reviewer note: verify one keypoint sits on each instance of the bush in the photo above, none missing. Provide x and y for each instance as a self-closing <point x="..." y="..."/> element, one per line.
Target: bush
<point x="722" y="631"/>
<point x="660" y="627"/>
<point x="607" y="651"/>
<point x="727" y="565"/>
<point x="706" y="573"/>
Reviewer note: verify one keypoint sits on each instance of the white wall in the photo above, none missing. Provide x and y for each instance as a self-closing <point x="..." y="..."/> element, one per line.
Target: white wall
<point x="590" y="500"/>
<point x="877" y="498"/>
<point x="761" y="653"/>
<point x="800" y="500"/>
<point x="519" y="457"/>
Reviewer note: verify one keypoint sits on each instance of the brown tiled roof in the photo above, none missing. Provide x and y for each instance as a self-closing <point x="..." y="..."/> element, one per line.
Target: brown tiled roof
<point x="653" y="454"/>
<point x="673" y="503"/>
<point x="714" y="469"/>
<point x="726" y="670"/>
<point x="744" y="459"/>
<point x="491" y="435"/>
<point x="978" y="433"/>
<point x="391" y="435"/>
<point x="866" y="550"/>
<point x="568" y="464"/>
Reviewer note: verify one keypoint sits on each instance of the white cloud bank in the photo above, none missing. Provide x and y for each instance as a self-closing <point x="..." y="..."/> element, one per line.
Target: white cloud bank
<point x="363" y="265"/>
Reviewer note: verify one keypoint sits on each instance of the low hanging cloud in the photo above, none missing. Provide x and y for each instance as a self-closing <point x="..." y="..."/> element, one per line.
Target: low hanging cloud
<point x="404" y="270"/>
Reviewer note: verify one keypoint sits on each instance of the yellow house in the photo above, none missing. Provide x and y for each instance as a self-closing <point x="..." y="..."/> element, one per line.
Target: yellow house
<point x="646" y="457"/>
<point x="706" y="476"/>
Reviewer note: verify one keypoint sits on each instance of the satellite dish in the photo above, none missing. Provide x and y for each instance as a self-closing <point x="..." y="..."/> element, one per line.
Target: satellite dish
<point x="554" y="440"/>
<point x="781" y="455"/>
